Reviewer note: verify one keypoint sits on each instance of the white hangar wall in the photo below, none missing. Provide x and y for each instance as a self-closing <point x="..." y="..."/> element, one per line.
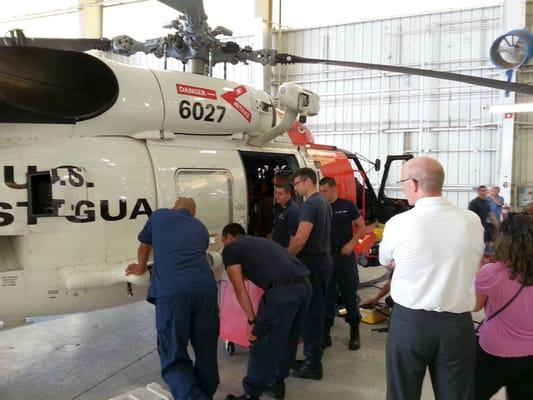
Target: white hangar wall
<point x="376" y="113"/>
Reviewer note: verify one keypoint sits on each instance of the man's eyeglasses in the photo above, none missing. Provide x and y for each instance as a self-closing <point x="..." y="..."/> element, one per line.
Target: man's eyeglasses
<point x="296" y="183"/>
<point x="404" y="180"/>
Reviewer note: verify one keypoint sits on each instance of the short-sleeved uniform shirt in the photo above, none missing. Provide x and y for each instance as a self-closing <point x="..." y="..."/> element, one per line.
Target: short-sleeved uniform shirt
<point x="344" y="213"/>
<point x="317" y="210"/>
<point x="263" y="261"/>
<point x="495" y="208"/>
<point x="510" y="333"/>
<point x="481" y="208"/>
<point x="286" y="219"/>
<point x="179" y="243"/>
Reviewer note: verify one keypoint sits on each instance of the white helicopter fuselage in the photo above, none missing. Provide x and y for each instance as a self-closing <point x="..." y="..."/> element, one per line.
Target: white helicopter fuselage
<point x="73" y="197"/>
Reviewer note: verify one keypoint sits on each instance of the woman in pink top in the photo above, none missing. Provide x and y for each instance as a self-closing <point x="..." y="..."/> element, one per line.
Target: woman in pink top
<point x="505" y="351"/>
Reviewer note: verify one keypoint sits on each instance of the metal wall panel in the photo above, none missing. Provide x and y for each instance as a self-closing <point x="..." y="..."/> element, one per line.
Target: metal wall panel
<point x="376" y="113"/>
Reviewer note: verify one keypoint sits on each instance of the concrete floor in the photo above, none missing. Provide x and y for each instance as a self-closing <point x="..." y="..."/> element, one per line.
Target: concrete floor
<point x="102" y="354"/>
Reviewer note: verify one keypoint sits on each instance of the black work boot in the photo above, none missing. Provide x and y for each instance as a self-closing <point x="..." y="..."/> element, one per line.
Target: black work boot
<point x="304" y="371"/>
<point x="276" y="390"/>
<point x="242" y="397"/>
<point x="355" y="342"/>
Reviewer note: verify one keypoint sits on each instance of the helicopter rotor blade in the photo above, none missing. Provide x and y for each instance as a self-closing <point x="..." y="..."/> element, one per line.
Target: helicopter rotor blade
<point x="473" y="80"/>
<point x="58" y="44"/>
<point x="194" y="9"/>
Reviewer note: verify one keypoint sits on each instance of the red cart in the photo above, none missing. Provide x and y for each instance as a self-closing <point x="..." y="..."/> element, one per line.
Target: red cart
<point x="234" y="328"/>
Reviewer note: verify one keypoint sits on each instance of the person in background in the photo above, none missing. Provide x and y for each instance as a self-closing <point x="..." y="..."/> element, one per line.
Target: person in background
<point x="505" y="289"/>
<point x="496" y="202"/>
<point x="480" y="206"/>
<point x="277" y="327"/>
<point x="383" y="291"/>
<point x="435" y="249"/>
<point x="345" y="274"/>
<point x="311" y="244"/>
<point x="185" y="295"/>
<point x="286" y="215"/>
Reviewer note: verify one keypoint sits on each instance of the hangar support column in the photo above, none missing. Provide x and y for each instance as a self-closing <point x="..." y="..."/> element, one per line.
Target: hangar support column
<point x="522" y="161"/>
<point x="263" y="40"/>
<point x="91" y="18"/>
<point x="513" y="17"/>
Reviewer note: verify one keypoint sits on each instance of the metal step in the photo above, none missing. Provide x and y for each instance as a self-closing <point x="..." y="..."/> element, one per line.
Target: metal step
<point x="152" y="391"/>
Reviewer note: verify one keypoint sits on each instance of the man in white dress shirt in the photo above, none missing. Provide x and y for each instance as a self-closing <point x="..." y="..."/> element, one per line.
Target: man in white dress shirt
<point x="435" y="249"/>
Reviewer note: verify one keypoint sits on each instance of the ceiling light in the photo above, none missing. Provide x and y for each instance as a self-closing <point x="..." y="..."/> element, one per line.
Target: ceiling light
<point x="511" y="108"/>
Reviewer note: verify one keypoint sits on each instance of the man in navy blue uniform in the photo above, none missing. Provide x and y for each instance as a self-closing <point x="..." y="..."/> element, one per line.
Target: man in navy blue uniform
<point x="345" y="276"/>
<point x="312" y="245"/>
<point x="276" y="328"/>
<point x="286" y="215"/>
<point x="184" y="292"/>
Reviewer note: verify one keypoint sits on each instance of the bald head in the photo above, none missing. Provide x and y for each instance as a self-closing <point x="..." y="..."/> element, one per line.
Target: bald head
<point x="187" y="203"/>
<point x="428" y="172"/>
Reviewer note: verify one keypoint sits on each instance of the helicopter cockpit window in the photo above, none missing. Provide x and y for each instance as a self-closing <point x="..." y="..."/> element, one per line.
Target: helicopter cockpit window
<point x="40" y="201"/>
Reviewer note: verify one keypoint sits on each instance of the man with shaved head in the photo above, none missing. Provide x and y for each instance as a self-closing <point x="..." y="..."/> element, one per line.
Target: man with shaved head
<point x="435" y="249"/>
<point x="184" y="292"/>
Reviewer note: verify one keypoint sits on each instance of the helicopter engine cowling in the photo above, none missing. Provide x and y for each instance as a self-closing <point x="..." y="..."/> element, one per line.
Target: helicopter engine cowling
<point x="104" y="97"/>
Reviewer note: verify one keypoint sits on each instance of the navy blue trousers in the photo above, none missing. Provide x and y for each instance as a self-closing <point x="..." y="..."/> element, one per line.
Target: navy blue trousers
<point x="321" y="268"/>
<point x="345" y="280"/>
<point x="442" y="342"/>
<point x="180" y="319"/>
<point x="278" y="328"/>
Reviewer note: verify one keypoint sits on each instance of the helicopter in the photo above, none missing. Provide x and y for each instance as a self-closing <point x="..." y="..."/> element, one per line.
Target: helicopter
<point x="90" y="147"/>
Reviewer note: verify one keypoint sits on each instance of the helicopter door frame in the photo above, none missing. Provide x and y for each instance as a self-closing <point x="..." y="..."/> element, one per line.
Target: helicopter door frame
<point x="387" y="206"/>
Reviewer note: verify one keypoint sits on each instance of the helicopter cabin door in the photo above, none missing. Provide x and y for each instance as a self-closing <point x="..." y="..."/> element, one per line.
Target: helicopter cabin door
<point x="213" y="177"/>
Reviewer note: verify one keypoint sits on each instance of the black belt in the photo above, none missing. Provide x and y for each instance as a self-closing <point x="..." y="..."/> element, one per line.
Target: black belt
<point x="290" y="282"/>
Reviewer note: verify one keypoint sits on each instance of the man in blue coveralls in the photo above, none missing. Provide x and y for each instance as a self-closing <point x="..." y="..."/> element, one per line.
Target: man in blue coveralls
<point x="286" y="215"/>
<point x="184" y="292"/>
<point x="345" y="275"/>
<point x="312" y="245"/>
<point x="276" y="328"/>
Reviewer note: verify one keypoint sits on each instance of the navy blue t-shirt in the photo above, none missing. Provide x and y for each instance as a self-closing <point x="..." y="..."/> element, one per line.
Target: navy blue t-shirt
<point x="344" y="213"/>
<point x="286" y="221"/>
<point x="263" y="261"/>
<point x="317" y="210"/>
<point x="179" y="243"/>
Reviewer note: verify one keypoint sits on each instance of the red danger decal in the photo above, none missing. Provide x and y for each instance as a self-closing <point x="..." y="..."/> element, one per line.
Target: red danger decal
<point x="231" y="98"/>
<point x="195" y="91"/>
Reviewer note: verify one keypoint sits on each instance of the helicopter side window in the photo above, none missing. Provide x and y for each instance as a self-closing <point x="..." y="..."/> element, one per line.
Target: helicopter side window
<point x="40" y="201"/>
<point x="212" y="189"/>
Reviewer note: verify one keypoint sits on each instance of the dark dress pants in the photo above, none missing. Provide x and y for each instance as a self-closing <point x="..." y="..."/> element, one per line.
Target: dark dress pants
<point x="321" y="268"/>
<point x="444" y="342"/>
<point x="345" y="280"/>
<point x="493" y="373"/>
<point x="278" y="327"/>
<point x="180" y="319"/>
